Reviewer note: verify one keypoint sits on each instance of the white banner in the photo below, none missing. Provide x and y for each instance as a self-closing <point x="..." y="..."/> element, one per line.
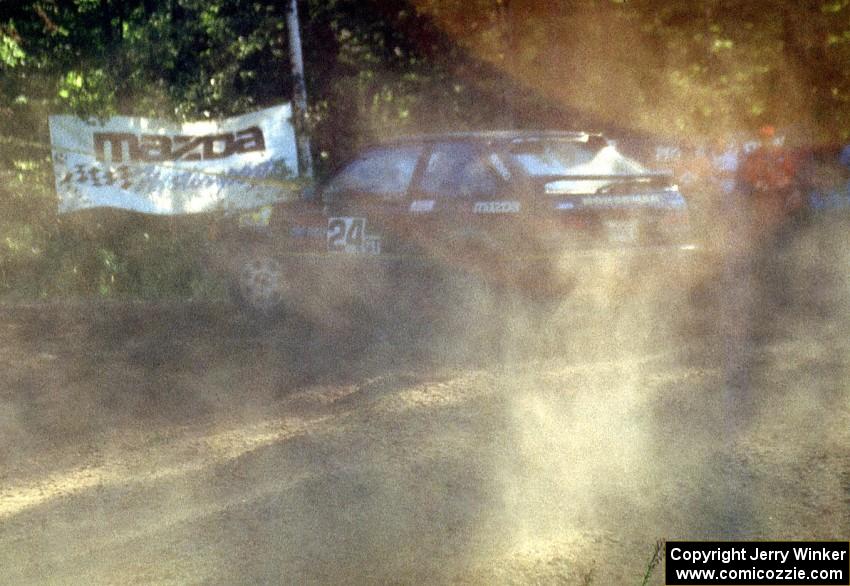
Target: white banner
<point x="158" y="167"/>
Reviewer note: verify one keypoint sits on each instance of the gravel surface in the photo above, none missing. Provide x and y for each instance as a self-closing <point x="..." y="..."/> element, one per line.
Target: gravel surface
<point x="178" y="443"/>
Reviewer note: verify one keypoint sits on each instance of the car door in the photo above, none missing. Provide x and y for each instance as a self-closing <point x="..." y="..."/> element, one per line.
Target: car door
<point x="367" y="201"/>
<point x="462" y="198"/>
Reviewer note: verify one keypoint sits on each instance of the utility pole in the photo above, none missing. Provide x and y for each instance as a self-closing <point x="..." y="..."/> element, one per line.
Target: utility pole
<point x="510" y="60"/>
<point x="299" y="91"/>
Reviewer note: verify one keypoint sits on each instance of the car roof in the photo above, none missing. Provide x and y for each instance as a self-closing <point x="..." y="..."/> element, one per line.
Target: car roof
<point x="492" y="135"/>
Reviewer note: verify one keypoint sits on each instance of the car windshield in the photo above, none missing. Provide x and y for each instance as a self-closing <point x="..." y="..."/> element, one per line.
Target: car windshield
<point x="383" y="172"/>
<point x="568" y="158"/>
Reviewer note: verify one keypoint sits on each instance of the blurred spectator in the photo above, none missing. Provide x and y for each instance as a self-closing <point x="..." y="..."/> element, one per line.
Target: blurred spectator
<point x="827" y="179"/>
<point x="692" y="169"/>
<point x="767" y="179"/>
<point x="691" y="166"/>
<point x="724" y="162"/>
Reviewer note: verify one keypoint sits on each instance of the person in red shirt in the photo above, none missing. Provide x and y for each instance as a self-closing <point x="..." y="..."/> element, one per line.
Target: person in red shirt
<point x="767" y="178"/>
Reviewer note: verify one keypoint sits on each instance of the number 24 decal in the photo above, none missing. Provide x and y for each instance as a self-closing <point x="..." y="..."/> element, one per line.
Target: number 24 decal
<point x="346" y="234"/>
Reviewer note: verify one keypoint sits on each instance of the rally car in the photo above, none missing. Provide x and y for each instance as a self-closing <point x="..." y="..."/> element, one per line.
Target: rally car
<point x="504" y="208"/>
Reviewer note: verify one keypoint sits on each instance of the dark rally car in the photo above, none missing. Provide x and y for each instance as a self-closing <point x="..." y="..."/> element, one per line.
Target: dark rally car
<point x="501" y="207"/>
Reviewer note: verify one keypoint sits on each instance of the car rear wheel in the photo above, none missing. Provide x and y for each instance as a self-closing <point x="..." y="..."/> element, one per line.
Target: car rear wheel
<point x="260" y="285"/>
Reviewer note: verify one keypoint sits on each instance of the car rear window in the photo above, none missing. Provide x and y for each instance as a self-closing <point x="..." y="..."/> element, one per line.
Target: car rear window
<point x="565" y="158"/>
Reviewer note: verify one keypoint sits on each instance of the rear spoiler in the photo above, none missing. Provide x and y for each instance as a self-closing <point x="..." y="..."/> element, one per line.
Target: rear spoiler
<point x="653" y="177"/>
<point x="610" y="182"/>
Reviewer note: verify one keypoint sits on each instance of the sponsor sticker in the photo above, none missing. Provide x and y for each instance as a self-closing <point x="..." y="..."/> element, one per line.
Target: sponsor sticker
<point x="348" y="235"/>
<point x="372" y="245"/>
<point x="421" y="206"/>
<point x="622" y="200"/>
<point x="496" y="207"/>
<point x="666" y="200"/>
<point x="308" y="232"/>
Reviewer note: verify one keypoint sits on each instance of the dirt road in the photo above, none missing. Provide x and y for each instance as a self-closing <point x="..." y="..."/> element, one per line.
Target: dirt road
<point x="180" y="444"/>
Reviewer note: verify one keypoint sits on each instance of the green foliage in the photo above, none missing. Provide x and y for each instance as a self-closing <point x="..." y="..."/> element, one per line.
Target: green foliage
<point x="112" y="254"/>
<point x="654" y="561"/>
<point x="378" y="67"/>
<point x="10" y="52"/>
<point x="89" y="93"/>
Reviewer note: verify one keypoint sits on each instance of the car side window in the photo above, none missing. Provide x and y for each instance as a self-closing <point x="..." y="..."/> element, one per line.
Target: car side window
<point x="461" y="170"/>
<point x="383" y="172"/>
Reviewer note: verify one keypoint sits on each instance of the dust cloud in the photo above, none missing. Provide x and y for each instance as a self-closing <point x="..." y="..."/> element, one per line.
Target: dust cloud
<point x="493" y="437"/>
